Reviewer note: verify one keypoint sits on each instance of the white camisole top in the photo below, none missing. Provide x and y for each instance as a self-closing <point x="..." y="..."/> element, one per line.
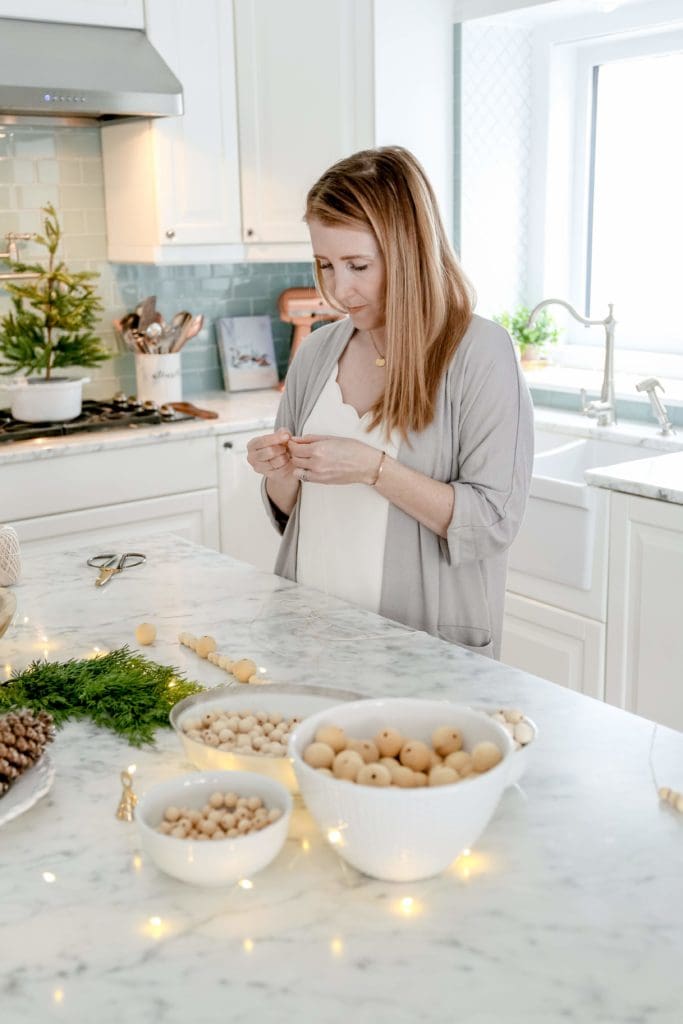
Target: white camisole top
<point x="342" y="527"/>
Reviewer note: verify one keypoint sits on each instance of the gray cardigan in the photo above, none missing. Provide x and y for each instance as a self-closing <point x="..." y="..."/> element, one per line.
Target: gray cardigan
<point x="481" y="442"/>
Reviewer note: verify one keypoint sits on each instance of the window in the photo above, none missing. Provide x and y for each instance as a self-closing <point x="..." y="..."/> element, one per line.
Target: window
<point x="606" y="221"/>
<point x="635" y="199"/>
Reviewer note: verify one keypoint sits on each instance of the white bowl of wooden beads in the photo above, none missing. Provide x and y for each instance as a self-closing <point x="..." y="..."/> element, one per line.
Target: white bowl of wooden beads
<point x="190" y="825"/>
<point x="262" y="717"/>
<point x="388" y="831"/>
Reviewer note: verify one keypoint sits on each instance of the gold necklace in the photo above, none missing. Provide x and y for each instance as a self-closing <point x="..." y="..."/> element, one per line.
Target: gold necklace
<point x="380" y="361"/>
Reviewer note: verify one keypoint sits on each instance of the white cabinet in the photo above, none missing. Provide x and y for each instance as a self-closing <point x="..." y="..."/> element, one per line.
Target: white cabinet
<point x="172" y="183"/>
<point x="644" y="627"/>
<point x="558" y="645"/>
<point x="115" y="494"/>
<point x="313" y="81"/>
<point x="114" y="13"/>
<point x="245" y="529"/>
<point x="125" y="526"/>
<point x="305" y="88"/>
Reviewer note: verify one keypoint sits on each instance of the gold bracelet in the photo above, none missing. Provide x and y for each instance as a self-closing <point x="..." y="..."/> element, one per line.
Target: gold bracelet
<point x="379" y="470"/>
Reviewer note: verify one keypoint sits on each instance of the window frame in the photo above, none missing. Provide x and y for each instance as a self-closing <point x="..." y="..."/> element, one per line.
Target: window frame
<point x="565" y="54"/>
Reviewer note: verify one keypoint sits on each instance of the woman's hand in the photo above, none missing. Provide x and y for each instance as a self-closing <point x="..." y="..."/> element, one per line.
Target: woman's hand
<point x="333" y="460"/>
<point x="269" y="456"/>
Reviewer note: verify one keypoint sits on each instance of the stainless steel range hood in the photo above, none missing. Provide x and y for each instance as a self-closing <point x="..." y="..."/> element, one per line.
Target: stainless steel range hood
<point x="94" y="74"/>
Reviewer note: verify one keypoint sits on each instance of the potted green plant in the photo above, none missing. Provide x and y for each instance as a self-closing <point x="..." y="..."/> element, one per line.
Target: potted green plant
<point x="50" y="326"/>
<point x="530" y="341"/>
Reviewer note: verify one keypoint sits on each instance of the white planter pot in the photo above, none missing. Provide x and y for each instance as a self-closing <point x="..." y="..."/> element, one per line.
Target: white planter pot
<point x="46" y="401"/>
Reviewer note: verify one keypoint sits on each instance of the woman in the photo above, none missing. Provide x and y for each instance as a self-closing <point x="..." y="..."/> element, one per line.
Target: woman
<point x="400" y="463"/>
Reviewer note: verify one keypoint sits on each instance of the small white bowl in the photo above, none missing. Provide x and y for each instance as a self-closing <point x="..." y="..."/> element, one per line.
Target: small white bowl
<point x="397" y="834"/>
<point x="219" y="862"/>
<point x="290" y="700"/>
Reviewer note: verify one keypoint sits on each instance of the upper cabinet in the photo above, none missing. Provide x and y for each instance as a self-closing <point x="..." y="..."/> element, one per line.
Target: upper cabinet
<point x="305" y="99"/>
<point x="115" y="13"/>
<point x="172" y="184"/>
<point x="274" y="93"/>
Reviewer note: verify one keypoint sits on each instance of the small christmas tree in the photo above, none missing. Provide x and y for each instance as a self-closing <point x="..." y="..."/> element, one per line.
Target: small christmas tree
<point x="54" y="314"/>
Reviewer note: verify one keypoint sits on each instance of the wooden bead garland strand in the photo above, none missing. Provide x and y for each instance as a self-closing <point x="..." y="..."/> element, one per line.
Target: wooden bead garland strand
<point x="243" y="669"/>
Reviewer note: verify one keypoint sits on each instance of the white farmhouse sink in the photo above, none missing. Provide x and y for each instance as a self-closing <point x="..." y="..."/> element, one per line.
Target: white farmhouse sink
<point x="565" y="514"/>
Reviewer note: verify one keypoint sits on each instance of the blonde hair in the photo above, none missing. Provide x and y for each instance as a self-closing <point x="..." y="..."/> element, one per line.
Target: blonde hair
<point x="428" y="299"/>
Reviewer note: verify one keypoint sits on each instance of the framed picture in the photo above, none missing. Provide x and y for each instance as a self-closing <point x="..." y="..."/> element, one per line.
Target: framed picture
<point x="245" y="347"/>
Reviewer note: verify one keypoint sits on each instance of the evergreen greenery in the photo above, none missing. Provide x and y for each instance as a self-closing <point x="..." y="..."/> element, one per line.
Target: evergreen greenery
<point x="54" y="315"/>
<point x="121" y="691"/>
<point x="542" y="332"/>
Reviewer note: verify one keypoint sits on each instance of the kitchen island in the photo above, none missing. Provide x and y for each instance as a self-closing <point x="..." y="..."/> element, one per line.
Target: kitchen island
<point x="568" y="909"/>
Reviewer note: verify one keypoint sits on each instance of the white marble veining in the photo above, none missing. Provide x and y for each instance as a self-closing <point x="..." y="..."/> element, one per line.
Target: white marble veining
<point x="660" y="478"/>
<point x="568" y="910"/>
<point x="246" y="410"/>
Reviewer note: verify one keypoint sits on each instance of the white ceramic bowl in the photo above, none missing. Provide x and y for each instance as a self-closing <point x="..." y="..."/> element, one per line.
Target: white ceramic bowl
<point x="212" y="863"/>
<point x="397" y="834"/>
<point x="291" y="701"/>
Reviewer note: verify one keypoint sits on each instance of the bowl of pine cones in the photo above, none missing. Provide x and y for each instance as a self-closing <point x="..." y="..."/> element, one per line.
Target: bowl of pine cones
<point x="26" y="771"/>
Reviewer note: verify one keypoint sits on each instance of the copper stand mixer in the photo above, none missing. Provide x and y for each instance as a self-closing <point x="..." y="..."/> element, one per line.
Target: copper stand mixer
<point x="303" y="307"/>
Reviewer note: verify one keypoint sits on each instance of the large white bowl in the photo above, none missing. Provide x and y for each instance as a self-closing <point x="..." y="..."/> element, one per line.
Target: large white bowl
<point x="398" y="834"/>
<point x="220" y="862"/>
<point x="290" y="700"/>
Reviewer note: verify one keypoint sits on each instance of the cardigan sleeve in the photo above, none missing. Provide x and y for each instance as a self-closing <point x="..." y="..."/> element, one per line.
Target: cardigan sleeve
<point x="495" y="462"/>
<point x="284" y="418"/>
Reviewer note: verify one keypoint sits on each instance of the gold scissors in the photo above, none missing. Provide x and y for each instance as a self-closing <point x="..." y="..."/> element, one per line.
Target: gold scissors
<point x="109" y="565"/>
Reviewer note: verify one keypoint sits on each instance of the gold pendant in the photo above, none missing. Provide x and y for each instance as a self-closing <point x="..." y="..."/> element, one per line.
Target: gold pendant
<point x="380" y="362"/>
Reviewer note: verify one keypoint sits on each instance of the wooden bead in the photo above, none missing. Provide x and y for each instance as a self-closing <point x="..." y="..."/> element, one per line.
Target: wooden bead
<point x="461" y="762"/>
<point x="333" y="736"/>
<point x="205" y="645"/>
<point x="366" y="748"/>
<point x="319" y="755"/>
<point x="442" y="775"/>
<point x="373" y="775"/>
<point x="485" y="755"/>
<point x="347" y="764"/>
<point x="523" y="733"/>
<point x="416" y="755"/>
<point x="145" y="633"/>
<point x="389" y="742"/>
<point x="243" y="669"/>
<point x="446" y="740"/>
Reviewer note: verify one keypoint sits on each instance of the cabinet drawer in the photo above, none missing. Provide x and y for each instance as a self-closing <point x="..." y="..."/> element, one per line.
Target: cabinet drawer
<point x="71" y="482"/>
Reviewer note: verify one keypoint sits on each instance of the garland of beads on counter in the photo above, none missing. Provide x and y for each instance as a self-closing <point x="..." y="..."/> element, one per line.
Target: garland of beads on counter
<point x="243" y="669"/>
<point x="665" y="794"/>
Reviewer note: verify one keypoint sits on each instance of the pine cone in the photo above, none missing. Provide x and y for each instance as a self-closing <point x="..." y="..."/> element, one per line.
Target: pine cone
<point x="23" y="738"/>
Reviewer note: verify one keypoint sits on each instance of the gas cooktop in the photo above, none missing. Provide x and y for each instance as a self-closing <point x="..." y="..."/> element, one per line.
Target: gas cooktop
<point x="120" y="412"/>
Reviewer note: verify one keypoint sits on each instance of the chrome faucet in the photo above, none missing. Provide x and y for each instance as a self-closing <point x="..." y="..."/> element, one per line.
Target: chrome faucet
<point x="603" y="408"/>
<point x="649" y="386"/>
<point x="12" y="256"/>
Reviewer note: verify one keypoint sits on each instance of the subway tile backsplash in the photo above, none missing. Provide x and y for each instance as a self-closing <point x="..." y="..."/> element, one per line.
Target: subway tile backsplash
<point x="64" y="166"/>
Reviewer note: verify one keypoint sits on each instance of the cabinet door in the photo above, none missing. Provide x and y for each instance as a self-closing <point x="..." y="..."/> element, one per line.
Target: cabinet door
<point x="114" y="13"/>
<point x="560" y="646"/>
<point x="117" y="527"/>
<point x="246" y="531"/>
<point x="305" y="96"/>
<point x="644" y="634"/>
<point x="172" y="183"/>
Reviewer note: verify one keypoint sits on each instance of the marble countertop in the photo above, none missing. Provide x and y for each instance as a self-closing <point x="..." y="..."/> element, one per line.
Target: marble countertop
<point x="567" y="910"/>
<point x="246" y="410"/>
<point x="660" y="477"/>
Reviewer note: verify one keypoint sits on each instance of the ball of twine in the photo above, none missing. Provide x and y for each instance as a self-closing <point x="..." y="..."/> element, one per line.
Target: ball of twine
<point x="10" y="557"/>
